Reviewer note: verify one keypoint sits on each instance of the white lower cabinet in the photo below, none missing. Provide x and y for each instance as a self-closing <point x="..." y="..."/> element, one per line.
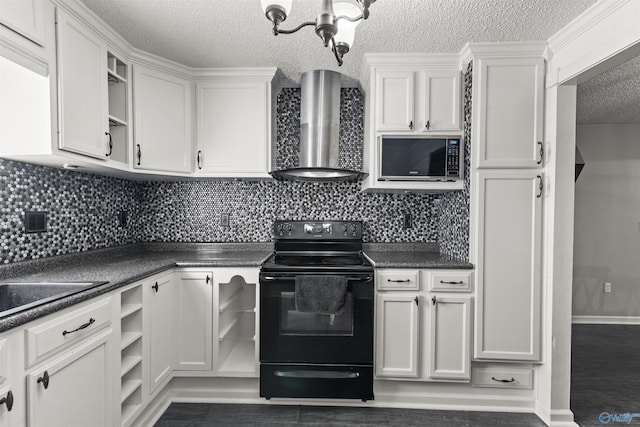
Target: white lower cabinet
<point x="450" y="338"/>
<point x="75" y="388"/>
<point x="397" y="335"/>
<point x="12" y="395"/>
<point x="160" y="297"/>
<point x="193" y="327"/>
<point x="420" y="334"/>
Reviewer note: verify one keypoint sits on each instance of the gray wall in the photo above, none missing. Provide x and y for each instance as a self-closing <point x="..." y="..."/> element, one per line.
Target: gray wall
<point x="607" y="221"/>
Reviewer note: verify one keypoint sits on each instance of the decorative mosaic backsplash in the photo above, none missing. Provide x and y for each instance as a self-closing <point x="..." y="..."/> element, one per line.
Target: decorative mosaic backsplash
<point x="454" y="216"/>
<point x="81" y="211"/>
<point x="82" y="208"/>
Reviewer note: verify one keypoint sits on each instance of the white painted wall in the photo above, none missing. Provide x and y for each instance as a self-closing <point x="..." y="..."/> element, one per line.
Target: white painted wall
<point x="607" y="221"/>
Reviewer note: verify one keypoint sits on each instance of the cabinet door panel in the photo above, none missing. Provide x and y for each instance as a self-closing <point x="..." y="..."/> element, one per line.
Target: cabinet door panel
<point x="442" y="101"/>
<point x="25" y="17"/>
<point x="82" y="64"/>
<point x="396" y="336"/>
<point x="233" y="129"/>
<point x="450" y="355"/>
<point x="161" y="318"/>
<point x="395" y="100"/>
<point x="193" y="326"/>
<point x="508" y="274"/>
<point x="162" y="121"/>
<point x="79" y="388"/>
<point x="510" y="114"/>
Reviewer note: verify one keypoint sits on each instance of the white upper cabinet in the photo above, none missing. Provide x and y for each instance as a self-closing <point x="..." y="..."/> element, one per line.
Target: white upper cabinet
<point x="83" y="112"/>
<point x="163" y="120"/>
<point x="508" y="119"/>
<point x="233" y="130"/>
<point x="442" y="101"/>
<point x="25" y="17"/>
<point x="394" y="110"/>
<point x="508" y="247"/>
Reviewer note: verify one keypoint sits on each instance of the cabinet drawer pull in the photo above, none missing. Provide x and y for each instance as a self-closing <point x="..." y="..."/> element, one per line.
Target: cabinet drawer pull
<point x="155" y="287"/>
<point x="199" y="159"/>
<point x="512" y="380"/>
<point x="44" y="379"/>
<point x="8" y="400"/>
<point x="110" y="144"/>
<point x="399" y="281"/>
<point x="83" y="326"/>
<point x="139" y="153"/>
<point x="444" y="282"/>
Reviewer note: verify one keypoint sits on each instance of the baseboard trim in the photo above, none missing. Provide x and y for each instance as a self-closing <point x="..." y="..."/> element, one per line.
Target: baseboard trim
<point x="606" y="320"/>
<point x="562" y="418"/>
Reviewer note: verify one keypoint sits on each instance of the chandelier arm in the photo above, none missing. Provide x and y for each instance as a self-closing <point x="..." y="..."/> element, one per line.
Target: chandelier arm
<point x="304" y="24"/>
<point x="348" y="18"/>
<point x="335" y="52"/>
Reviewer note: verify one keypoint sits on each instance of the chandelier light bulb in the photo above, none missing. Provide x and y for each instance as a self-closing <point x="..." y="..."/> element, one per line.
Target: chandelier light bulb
<point x="346" y="29"/>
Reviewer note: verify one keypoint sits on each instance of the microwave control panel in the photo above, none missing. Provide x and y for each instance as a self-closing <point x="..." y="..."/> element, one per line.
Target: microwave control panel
<point x="453" y="158"/>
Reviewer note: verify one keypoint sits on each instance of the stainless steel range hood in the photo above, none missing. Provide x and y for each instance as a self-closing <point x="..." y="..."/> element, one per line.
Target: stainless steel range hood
<point x="319" y="132"/>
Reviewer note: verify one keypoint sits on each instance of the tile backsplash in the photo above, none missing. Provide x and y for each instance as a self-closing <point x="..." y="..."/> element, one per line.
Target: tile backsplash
<point x="83" y="208"/>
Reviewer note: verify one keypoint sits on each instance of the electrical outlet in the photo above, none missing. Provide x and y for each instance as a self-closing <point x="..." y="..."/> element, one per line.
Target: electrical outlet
<point x="407" y="220"/>
<point x="224" y="219"/>
<point x="35" y="222"/>
<point x="122" y="218"/>
<point x="607" y="287"/>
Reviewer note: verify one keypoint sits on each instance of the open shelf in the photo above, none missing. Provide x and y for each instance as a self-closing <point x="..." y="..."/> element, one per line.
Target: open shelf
<point x="128" y="387"/>
<point x="239" y="357"/>
<point x="129" y="338"/>
<point x="128" y="309"/>
<point x="130" y="354"/>
<point x="128" y="363"/>
<point x="117" y="72"/>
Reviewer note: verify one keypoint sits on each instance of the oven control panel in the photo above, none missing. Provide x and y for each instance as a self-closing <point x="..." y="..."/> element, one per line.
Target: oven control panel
<point x="318" y="230"/>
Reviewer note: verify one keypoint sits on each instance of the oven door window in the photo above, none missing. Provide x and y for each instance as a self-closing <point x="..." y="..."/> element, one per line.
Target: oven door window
<point x="293" y="322"/>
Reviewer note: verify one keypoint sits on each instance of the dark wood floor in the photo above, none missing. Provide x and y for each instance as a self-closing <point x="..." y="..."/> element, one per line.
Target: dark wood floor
<point x="202" y="414"/>
<point x="605" y="373"/>
<point x="605" y="378"/>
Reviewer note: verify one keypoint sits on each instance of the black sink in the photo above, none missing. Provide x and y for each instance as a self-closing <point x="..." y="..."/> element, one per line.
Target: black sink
<point x="18" y="297"/>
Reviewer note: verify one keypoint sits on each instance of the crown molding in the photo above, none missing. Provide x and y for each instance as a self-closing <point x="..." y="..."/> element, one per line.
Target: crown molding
<point x="516" y="49"/>
<point x="584" y="22"/>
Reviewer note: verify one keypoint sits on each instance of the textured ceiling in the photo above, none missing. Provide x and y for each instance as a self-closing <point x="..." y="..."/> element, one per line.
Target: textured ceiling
<point x="235" y="33"/>
<point x="611" y="97"/>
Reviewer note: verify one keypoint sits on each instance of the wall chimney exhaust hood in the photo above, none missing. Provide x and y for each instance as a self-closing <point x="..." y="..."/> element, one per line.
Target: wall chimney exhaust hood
<point x="319" y="132"/>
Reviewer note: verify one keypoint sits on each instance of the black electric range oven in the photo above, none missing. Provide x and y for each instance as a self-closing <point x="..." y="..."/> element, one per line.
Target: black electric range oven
<point x="316" y="313"/>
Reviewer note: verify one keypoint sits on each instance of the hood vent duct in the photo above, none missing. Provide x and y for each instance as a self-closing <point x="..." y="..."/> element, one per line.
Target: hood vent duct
<point x="319" y="132"/>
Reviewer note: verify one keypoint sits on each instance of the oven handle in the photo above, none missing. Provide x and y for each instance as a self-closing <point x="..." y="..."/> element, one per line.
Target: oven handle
<point x="317" y="374"/>
<point x="351" y="279"/>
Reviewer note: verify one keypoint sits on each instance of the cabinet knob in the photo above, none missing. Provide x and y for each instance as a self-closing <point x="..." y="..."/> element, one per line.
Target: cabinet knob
<point x="417" y="300"/>
<point x="199" y="159"/>
<point x="139" y="154"/>
<point x="541" y="145"/>
<point x="540" y="186"/>
<point x="155" y="287"/>
<point x="44" y="379"/>
<point x="411" y="125"/>
<point x="208" y="279"/>
<point x="427" y="125"/>
<point x="8" y="400"/>
<point x="434" y="300"/>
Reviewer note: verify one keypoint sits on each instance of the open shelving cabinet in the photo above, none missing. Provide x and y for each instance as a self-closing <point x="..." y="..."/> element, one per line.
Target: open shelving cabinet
<point x="130" y="354"/>
<point x="237" y="323"/>
<point x="117" y="73"/>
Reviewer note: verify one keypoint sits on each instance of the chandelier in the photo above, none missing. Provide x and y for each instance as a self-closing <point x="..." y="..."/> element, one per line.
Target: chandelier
<point x="336" y="23"/>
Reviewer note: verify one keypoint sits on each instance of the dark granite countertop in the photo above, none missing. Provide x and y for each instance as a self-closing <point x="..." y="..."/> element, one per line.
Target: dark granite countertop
<point x="411" y="255"/>
<point x="121" y="266"/>
<point x="127" y="264"/>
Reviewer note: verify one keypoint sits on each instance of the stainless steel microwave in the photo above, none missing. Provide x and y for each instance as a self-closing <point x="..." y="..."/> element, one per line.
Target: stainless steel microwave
<point x="424" y="158"/>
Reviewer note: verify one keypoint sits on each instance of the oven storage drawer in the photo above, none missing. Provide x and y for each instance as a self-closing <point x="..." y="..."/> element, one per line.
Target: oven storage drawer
<point x="316" y="381"/>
